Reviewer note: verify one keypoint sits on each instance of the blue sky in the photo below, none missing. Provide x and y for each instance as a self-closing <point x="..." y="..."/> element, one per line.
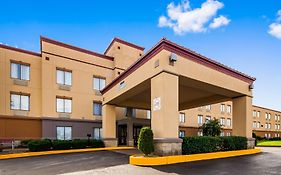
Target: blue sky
<point x="244" y="43"/>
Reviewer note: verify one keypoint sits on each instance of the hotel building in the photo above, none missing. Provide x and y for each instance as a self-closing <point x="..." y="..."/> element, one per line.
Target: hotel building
<point x="56" y="94"/>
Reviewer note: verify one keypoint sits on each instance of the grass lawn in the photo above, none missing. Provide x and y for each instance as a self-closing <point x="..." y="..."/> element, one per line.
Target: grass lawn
<point x="269" y="143"/>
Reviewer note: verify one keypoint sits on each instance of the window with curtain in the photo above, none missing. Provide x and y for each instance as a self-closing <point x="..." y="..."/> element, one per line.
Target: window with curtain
<point x="64" y="105"/>
<point x="98" y="83"/>
<point x="20" y="102"/>
<point x="97" y="108"/>
<point x="64" y="77"/>
<point x="64" y="132"/>
<point x="20" y="71"/>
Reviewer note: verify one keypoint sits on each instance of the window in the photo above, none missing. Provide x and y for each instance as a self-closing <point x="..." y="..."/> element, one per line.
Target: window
<point x="258" y="114"/>
<point x="97" y="108"/>
<point x="222" y="121"/>
<point x="278" y="118"/>
<point x="208" y="107"/>
<point x="267" y="116"/>
<point x="222" y="107"/>
<point x="208" y="118"/>
<point x="98" y="83"/>
<point x="97" y="133"/>
<point x="200" y="119"/>
<point x="258" y="125"/>
<point x="64" y="132"/>
<point x="130" y="112"/>
<point x="266" y="125"/>
<point x="254" y="113"/>
<point x="265" y="135"/>
<point x="182" y="117"/>
<point x="20" y="71"/>
<point x="19" y="102"/>
<point x="181" y="134"/>
<point x="228" y="109"/>
<point x="200" y="133"/>
<point x="228" y="134"/>
<point x="254" y="124"/>
<point x="148" y="114"/>
<point x="64" y="77"/>
<point x="275" y="126"/>
<point x="228" y="122"/>
<point x="269" y="126"/>
<point x="64" y="105"/>
<point x="222" y="134"/>
<point x="278" y="126"/>
<point x="269" y="135"/>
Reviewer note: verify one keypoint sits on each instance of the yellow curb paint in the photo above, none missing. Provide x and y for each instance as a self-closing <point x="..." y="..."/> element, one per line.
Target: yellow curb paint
<point x="166" y="160"/>
<point x="42" y="153"/>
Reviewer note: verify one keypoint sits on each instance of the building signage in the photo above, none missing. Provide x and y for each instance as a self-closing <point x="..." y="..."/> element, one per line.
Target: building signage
<point x="156" y="104"/>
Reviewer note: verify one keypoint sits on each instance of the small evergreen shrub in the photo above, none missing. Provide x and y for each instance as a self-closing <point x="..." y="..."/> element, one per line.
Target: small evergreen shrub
<point x="39" y="145"/>
<point x="24" y="143"/>
<point x="233" y="143"/>
<point x="79" y="144"/>
<point x="145" y="141"/>
<point x="211" y="128"/>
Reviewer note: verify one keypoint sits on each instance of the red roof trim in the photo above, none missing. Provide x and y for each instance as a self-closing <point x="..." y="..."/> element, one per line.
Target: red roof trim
<point x="170" y="46"/>
<point x="20" y="50"/>
<point x="48" y="40"/>
<point x="123" y="42"/>
<point x="265" y="108"/>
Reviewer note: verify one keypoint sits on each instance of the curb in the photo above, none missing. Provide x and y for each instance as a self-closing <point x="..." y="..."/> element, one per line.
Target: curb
<point x="167" y="160"/>
<point x="43" y="153"/>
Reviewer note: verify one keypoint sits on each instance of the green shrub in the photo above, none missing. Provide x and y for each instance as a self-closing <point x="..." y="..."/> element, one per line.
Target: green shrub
<point x="24" y="143"/>
<point x="203" y="144"/>
<point x="233" y="143"/>
<point x="62" y="144"/>
<point x="96" y="143"/>
<point x="39" y="145"/>
<point x="206" y="144"/>
<point x="211" y="128"/>
<point x="79" y="144"/>
<point x="145" y="142"/>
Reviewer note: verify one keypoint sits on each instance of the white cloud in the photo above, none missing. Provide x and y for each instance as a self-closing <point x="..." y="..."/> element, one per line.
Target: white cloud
<point x="275" y="30"/>
<point x="219" y="21"/>
<point x="183" y="19"/>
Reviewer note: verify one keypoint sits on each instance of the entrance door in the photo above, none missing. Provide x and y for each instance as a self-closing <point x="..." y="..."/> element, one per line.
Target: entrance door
<point x="122" y="135"/>
<point x="136" y="133"/>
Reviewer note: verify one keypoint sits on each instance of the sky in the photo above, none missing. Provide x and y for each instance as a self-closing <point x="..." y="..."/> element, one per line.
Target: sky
<point x="243" y="34"/>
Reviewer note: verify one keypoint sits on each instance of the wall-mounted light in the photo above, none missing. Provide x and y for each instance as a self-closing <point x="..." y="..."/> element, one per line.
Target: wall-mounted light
<point x="173" y="57"/>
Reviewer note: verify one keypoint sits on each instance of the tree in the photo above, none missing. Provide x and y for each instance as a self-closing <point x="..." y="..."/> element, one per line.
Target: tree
<point x="211" y="128"/>
<point x="145" y="142"/>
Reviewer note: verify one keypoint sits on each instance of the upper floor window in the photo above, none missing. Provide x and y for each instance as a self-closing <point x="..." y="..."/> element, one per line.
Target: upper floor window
<point x="258" y="124"/>
<point x="208" y="107"/>
<point x="64" y="77"/>
<point x="228" y="109"/>
<point x="200" y="119"/>
<point x="98" y="83"/>
<point x="254" y="113"/>
<point x="97" y="108"/>
<point x="222" y="107"/>
<point x="20" y="71"/>
<point x="20" y="101"/>
<point x="258" y="114"/>
<point x="222" y="121"/>
<point x="64" y="105"/>
<point x="228" y="122"/>
<point x="208" y="118"/>
<point x="182" y="117"/>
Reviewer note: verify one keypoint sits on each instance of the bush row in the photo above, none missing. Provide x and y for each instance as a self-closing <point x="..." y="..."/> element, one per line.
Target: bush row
<point x="46" y="144"/>
<point x="207" y="144"/>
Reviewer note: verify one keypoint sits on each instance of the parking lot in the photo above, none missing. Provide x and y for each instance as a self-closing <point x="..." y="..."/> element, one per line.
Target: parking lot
<point x="109" y="162"/>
